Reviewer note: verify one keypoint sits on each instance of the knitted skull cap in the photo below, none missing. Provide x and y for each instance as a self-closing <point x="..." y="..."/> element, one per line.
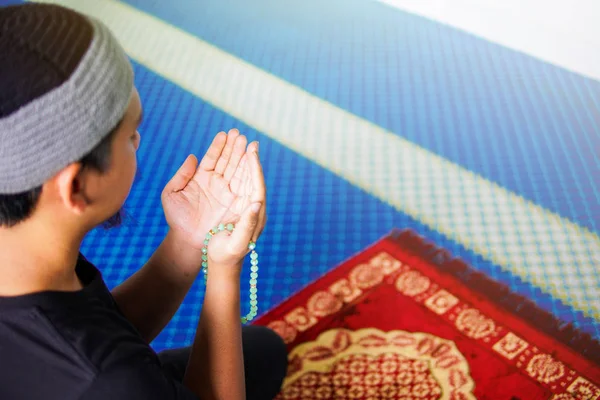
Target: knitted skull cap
<point x="65" y="84"/>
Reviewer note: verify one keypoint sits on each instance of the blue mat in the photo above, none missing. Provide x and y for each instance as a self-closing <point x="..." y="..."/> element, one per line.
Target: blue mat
<point x="316" y="219"/>
<point x="529" y="126"/>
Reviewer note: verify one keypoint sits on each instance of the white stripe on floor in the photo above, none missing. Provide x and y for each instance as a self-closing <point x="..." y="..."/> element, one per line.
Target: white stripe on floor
<point x="536" y="244"/>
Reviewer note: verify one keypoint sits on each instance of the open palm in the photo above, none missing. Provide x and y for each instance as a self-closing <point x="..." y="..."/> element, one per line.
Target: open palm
<point x="228" y="179"/>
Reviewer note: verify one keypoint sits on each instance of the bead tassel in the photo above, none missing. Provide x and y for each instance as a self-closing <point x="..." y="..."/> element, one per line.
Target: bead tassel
<point x="254" y="269"/>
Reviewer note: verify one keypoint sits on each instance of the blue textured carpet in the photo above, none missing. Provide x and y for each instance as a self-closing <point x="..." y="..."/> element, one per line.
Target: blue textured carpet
<point x="529" y="126"/>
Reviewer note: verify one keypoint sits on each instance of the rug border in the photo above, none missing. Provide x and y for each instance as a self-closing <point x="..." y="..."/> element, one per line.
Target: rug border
<point x="495" y="292"/>
<point x="498" y="293"/>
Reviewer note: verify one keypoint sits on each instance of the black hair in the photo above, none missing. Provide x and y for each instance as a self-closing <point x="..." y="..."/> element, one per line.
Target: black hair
<point x="15" y="208"/>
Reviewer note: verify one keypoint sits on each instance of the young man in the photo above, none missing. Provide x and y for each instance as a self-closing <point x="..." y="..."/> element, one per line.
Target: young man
<point x="68" y="139"/>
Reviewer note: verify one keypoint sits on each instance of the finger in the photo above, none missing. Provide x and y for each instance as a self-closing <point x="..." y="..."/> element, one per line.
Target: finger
<point x="253" y="147"/>
<point x="182" y="176"/>
<point x="226" y="154"/>
<point x="259" y="189"/>
<point x="209" y="161"/>
<point x="242" y="235"/>
<point x="238" y="178"/>
<point x="239" y="148"/>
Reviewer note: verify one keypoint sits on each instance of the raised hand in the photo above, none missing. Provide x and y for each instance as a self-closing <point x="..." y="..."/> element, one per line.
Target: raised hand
<point x="227" y="181"/>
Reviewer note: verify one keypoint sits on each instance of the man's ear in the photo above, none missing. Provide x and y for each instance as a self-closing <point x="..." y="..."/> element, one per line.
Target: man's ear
<point x="70" y="185"/>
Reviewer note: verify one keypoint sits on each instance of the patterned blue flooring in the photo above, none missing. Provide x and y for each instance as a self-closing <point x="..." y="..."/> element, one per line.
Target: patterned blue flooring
<point x="316" y="220"/>
<point x="529" y="126"/>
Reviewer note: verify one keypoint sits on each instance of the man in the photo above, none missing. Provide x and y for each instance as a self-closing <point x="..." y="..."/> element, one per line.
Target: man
<point x="68" y="133"/>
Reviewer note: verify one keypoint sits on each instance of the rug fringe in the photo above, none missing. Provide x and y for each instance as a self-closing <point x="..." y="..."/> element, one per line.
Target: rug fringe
<point x="499" y="293"/>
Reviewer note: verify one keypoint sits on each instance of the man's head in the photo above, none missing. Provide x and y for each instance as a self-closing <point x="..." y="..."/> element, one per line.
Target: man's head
<point x="68" y="119"/>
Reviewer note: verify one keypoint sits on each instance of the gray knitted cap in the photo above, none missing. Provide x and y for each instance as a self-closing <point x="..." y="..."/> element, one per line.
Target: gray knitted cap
<point x="59" y="126"/>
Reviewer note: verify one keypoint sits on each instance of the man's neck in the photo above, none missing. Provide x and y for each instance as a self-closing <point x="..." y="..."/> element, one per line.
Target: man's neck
<point x="35" y="258"/>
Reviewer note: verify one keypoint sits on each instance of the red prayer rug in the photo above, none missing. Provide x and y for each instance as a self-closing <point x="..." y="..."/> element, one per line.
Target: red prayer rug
<point x="405" y="320"/>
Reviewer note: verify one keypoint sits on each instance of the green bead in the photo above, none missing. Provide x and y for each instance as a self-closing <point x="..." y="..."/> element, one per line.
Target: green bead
<point x="221" y="227"/>
<point x="208" y="236"/>
<point x="253" y="282"/>
<point x="204" y="270"/>
<point x="206" y="242"/>
<point x="204" y="264"/>
<point x="204" y="257"/>
<point x="204" y="250"/>
<point x="230" y="227"/>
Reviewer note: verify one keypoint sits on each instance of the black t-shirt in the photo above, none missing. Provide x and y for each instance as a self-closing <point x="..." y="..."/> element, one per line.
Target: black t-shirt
<point x="77" y="345"/>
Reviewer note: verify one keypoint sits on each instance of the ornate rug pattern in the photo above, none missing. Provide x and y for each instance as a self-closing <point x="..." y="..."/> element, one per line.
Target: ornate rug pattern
<point x="405" y="320"/>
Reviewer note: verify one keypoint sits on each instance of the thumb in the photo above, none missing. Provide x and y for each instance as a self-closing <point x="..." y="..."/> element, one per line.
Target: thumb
<point x="183" y="175"/>
<point x="242" y="235"/>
